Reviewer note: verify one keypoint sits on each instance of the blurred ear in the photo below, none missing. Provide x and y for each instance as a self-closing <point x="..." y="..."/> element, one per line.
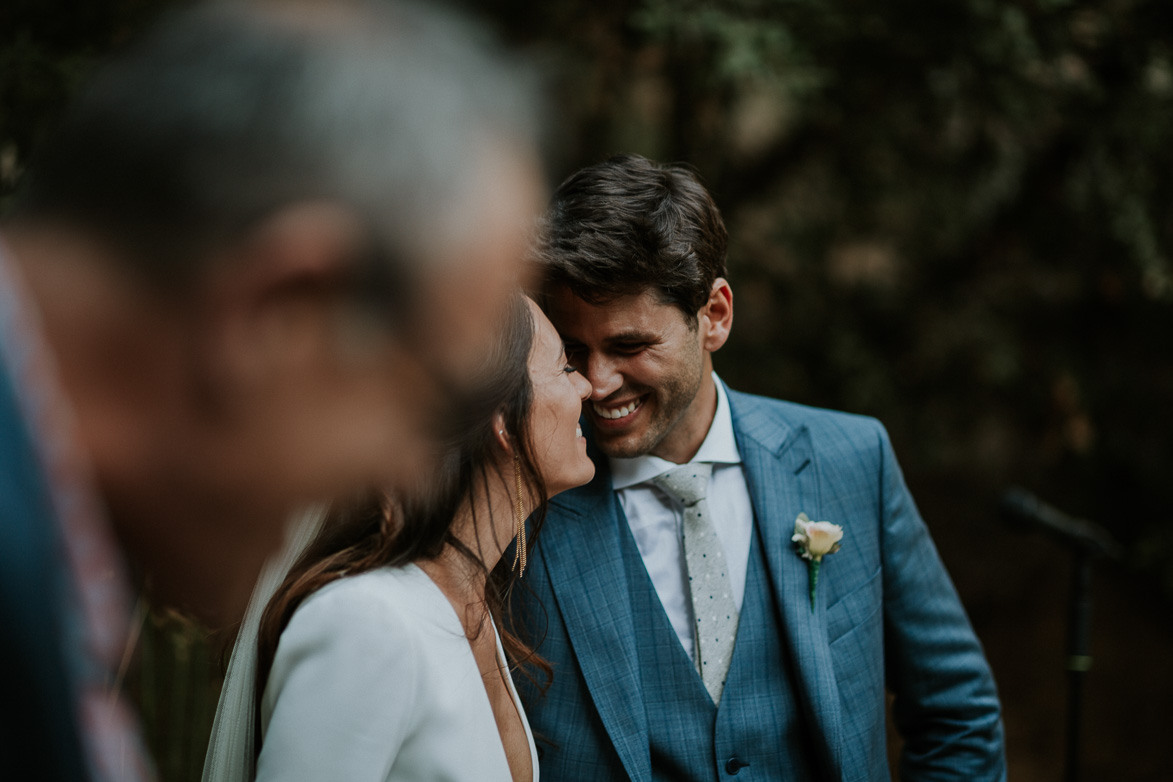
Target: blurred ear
<point x="716" y="317"/>
<point x="271" y="306"/>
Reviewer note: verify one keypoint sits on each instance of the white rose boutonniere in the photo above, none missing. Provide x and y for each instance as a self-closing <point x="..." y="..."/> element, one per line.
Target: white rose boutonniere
<point x="815" y="540"/>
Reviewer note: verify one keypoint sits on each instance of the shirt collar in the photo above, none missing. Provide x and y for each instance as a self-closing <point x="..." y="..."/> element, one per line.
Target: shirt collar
<point x="719" y="447"/>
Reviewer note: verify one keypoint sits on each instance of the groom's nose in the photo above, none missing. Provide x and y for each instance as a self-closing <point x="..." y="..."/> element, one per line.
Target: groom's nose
<point x="604" y="377"/>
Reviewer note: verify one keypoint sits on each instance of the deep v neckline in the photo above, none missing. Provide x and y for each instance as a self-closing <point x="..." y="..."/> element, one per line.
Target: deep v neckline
<point x="503" y="670"/>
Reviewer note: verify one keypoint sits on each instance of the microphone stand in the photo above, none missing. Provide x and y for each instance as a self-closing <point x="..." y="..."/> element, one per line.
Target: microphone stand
<point x="1079" y="658"/>
<point x="1088" y="542"/>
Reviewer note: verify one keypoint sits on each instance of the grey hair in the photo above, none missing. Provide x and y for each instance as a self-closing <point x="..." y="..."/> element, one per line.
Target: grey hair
<point x="227" y="112"/>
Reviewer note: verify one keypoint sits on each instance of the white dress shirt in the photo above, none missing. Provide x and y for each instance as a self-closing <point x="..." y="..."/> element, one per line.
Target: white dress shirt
<point x="657" y="523"/>
<point x="374" y="681"/>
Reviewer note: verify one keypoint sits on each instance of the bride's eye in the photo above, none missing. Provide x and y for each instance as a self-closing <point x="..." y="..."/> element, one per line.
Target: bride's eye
<point x="569" y="369"/>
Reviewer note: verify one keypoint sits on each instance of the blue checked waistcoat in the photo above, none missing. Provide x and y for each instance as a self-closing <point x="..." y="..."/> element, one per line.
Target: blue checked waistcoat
<point x="886" y="616"/>
<point x="758" y="722"/>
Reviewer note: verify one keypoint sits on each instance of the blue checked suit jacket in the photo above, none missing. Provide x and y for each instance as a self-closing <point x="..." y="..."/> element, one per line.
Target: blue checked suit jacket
<point x="886" y="614"/>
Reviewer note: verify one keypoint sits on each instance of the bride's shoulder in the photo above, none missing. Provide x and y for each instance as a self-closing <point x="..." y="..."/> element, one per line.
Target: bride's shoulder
<point x="389" y="598"/>
<point x="360" y="634"/>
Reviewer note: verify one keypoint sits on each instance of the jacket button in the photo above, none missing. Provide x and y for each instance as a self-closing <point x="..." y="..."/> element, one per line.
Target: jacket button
<point x="733" y="765"/>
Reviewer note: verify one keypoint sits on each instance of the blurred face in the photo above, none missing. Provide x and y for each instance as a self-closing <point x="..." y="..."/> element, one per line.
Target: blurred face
<point x="268" y="388"/>
<point x="645" y="367"/>
<point x="384" y="420"/>
<point x="559" y="392"/>
<point x="209" y="417"/>
<point x="323" y="398"/>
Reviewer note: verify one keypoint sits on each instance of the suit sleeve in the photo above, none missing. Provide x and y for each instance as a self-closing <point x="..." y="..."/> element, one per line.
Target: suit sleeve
<point x="945" y="703"/>
<point x="342" y="691"/>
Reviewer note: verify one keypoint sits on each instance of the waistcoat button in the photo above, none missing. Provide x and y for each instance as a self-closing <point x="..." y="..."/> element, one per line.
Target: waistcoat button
<point x="734" y="764"/>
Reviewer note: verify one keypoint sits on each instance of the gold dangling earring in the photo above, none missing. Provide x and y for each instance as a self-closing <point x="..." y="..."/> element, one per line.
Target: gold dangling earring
<point x="519" y="549"/>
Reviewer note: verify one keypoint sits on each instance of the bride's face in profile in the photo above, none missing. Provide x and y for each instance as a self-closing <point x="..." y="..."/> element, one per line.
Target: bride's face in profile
<point x="558" y="394"/>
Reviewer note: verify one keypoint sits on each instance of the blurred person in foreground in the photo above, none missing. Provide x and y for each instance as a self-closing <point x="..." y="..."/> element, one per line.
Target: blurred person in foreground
<point x="384" y="654"/>
<point x="250" y="270"/>
<point x="744" y="577"/>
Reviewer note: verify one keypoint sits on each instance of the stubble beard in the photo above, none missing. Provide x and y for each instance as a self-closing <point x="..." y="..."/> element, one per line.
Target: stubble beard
<point x="668" y="404"/>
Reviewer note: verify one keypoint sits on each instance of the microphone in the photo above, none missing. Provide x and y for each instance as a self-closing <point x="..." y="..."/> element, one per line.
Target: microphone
<point x="1022" y="508"/>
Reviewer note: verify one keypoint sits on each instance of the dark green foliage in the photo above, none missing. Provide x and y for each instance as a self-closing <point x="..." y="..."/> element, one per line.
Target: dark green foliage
<point x="47" y="49"/>
<point x="175" y="684"/>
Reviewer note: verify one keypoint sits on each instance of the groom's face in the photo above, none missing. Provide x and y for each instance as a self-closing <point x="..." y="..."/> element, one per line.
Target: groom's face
<point x="645" y="364"/>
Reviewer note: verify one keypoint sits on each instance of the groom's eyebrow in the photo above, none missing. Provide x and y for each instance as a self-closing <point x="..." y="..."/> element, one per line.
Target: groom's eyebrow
<point x="632" y="335"/>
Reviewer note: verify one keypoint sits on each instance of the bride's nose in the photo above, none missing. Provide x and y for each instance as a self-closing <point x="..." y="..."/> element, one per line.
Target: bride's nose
<point x="582" y="385"/>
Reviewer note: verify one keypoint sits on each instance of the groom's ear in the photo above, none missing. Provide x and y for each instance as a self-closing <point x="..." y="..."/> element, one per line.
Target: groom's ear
<point x="716" y="317"/>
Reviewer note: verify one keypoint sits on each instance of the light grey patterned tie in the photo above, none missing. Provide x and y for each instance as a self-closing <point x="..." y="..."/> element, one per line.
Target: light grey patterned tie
<point x="708" y="578"/>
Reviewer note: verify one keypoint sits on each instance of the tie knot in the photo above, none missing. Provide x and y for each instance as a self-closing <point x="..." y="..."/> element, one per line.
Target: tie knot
<point x="687" y="484"/>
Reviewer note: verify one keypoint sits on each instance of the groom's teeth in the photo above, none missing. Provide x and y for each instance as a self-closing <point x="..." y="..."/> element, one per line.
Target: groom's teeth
<point x="618" y="412"/>
<point x="578" y="431"/>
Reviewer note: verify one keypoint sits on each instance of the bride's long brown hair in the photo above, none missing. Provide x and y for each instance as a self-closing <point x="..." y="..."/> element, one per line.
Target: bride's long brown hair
<point x="380" y="529"/>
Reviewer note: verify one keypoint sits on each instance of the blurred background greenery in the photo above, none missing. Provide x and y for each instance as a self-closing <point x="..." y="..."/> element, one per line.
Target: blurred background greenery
<point x="955" y="216"/>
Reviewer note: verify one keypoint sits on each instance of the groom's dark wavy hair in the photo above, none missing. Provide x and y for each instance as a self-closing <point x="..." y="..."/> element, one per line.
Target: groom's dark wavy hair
<point x="629" y="224"/>
<point x="381" y="529"/>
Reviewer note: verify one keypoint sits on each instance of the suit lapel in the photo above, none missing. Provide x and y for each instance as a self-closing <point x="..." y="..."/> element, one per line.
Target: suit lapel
<point x="581" y="549"/>
<point x="783" y="481"/>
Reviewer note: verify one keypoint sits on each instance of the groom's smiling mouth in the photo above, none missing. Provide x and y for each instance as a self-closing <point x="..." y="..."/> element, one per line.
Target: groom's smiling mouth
<point x="618" y="413"/>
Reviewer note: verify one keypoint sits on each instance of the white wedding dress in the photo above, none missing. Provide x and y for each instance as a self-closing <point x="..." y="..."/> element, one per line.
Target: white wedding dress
<point x="373" y="679"/>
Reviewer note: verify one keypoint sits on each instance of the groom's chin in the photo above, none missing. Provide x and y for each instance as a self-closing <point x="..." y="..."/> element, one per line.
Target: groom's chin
<point x="620" y="445"/>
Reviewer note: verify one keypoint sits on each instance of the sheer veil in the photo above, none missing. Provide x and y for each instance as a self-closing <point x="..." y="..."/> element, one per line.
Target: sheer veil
<point x="230" y="750"/>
